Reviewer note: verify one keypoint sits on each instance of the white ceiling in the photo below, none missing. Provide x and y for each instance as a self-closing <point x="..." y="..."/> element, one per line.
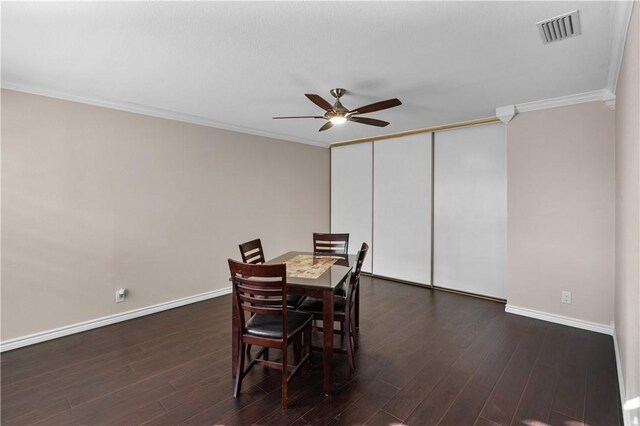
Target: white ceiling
<point x="237" y="64"/>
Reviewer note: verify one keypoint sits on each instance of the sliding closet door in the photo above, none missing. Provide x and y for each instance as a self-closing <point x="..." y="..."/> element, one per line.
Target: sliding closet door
<point x="470" y="210"/>
<point x="402" y="208"/>
<point x="351" y="195"/>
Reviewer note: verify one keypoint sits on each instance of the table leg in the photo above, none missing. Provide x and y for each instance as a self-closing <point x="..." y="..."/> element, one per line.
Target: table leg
<point x="327" y="327"/>
<point x="234" y="338"/>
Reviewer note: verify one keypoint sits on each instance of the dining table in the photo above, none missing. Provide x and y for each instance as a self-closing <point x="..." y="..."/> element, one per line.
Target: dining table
<point x="311" y="275"/>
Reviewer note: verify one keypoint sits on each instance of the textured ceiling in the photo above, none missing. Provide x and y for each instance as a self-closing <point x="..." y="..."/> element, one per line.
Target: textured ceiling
<point x="237" y="64"/>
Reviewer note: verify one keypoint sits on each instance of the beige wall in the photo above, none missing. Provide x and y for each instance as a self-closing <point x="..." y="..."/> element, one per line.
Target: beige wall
<point x="627" y="291"/>
<point x="94" y="199"/>
<point x="560" y="211"/>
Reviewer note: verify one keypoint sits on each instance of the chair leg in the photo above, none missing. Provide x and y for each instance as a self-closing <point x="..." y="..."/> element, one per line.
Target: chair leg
<point x="239" y="371"/>
<point x="357" y="309"/>
<point x="350" y="355"/>
<point x="307" y="340"/>
<point x="284" y="378"/>
<point x="341" y="328"/>
<point x="356" y="333"/>
<point x="297" y="348"/>
<point x="266" y="354"/>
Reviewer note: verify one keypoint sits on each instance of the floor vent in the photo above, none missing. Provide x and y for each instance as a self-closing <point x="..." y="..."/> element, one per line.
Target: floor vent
<point x="560" y="27"/>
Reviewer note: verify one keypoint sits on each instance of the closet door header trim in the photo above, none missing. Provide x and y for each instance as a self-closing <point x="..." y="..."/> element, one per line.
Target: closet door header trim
<point x="479" y="122"/>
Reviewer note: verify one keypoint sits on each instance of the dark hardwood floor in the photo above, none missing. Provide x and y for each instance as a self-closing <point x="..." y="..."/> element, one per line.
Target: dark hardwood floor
<point x="425" y="358"/>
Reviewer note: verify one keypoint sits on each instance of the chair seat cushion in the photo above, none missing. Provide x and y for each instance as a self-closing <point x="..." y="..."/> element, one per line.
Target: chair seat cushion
<point x="270" y="326"/>
<point x="314" y="306"/>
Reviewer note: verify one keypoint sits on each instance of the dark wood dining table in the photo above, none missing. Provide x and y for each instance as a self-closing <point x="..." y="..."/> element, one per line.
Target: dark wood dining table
<point x="322" y="287"/>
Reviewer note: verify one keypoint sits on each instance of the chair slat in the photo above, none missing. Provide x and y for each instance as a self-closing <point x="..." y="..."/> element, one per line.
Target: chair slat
<point x="256" y="291"/>
<point x="258" y="301"/>
<point x="254" y="259"/>
<point x="252" y="282"/>
<point x="262" y="310"/>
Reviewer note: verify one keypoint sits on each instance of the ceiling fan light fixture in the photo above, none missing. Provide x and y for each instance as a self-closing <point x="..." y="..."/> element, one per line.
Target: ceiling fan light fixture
<point x="338" y="119"/>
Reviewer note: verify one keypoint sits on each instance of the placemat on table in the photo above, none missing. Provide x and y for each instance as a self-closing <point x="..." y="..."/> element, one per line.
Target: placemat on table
<point x="309" y="266"/>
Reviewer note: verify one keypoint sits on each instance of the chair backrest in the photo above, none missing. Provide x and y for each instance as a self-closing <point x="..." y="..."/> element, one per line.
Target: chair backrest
<point x="259" y="289"/>
<point x="251" y="252"/>
<point x="354" y="281"/>
<point x="330" y="243"/>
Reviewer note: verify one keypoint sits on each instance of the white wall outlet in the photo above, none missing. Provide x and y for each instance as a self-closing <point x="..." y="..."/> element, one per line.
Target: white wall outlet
<point x="120" y="295"/>
<point x="566" y="297"/>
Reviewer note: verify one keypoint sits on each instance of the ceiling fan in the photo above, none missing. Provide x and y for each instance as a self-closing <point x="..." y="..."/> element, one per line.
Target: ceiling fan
<point x="338" y="114"/>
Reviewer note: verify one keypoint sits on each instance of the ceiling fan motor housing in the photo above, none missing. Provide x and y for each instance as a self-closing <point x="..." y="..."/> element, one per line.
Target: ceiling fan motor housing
<point x="338" y="109"/>
<point x="337" y="92"/>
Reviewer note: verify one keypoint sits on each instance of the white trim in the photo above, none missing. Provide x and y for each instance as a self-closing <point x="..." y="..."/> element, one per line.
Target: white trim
<point x="559" y="319"/>
<point x="626" y="416"/>
<point x="609" y="99"/>
<point x="621" y="21"/>
<point x="154" y="112"/>
<point x="32" y="339"/>
<point x="506" y="113"/>
<point x="603" y="95"/>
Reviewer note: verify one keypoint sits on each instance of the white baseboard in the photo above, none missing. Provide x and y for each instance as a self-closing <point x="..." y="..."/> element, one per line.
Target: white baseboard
<point x="623" y="393"/>
<point x="559" y="319"/>
<point x="32" y="339"/>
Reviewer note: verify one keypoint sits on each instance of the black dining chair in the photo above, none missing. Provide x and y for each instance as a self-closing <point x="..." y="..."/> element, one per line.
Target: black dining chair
<point x="330" y="243"/>
<point x="261" y="291"/>
<point x="344" y="309"/>
<point x="252" y="252"/>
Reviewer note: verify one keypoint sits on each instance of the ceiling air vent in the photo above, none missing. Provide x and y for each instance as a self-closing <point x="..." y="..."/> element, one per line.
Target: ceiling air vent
<point x="560" y="27"/>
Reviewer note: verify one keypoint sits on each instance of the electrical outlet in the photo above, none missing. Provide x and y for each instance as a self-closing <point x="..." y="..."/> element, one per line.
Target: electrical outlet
<point x="566" y="297"/>
<point x="120" y="295"/>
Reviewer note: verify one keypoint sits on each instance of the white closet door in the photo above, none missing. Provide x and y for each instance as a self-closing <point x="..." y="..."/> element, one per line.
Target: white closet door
<point x="351" y="195"/>
<point x="470" y="210"/>
<point x="402" y="208"/>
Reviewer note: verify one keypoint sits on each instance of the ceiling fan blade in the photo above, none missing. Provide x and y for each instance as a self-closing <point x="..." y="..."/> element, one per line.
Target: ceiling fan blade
<point x="326" y="126"/>
<point x="316" y="99"/>
<point x="378" y="106"/>
<point x="369" y="121"/>
<point x="299" y="116"/>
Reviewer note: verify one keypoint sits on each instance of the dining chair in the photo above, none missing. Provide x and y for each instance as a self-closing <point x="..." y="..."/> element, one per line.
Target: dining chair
<point x="343" y="309"/>
<point x="261" y="291"/>
<point x="330" y="243"/>
<point x="252" y="252"/>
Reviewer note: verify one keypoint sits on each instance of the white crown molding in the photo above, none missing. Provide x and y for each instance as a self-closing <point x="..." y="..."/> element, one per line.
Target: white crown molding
<point x="32" y="339"/>
<point x="603" y="95"/>
<point x="506" y="113"/>
<point x="621" y="20"/>
<point x="559" y="319"/>
<point x="609" y="99"/>
<point x="154" y="112"/>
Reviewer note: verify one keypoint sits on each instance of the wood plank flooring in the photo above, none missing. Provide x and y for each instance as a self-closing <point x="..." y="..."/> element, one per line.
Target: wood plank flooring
<point x="426" y="357"/>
